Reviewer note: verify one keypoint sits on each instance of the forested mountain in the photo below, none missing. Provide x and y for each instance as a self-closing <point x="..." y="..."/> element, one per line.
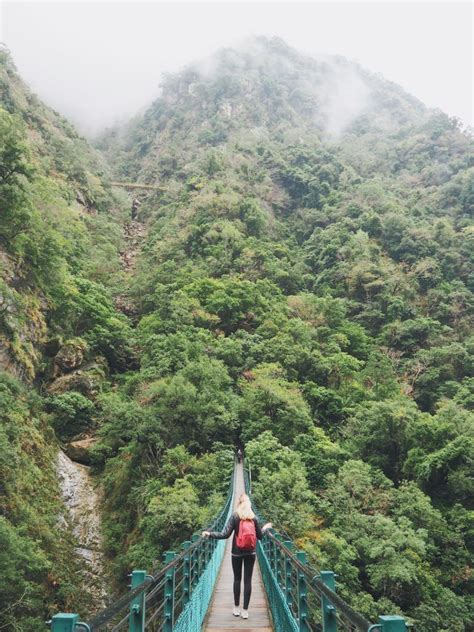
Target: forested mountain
<point x="304" y="286"/>
<point x="60" y="337"/>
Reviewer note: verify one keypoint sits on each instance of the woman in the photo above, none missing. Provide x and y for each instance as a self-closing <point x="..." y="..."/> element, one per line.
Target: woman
<point x="242" y="556"/>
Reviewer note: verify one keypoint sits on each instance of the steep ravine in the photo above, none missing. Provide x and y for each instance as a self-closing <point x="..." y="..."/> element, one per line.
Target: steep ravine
<point x="134" y="233"/>
<point x="82" y="500"/>
<point x="81" y="496"/>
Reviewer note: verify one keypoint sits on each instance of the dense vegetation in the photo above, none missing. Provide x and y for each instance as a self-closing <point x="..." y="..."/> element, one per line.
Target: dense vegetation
<point x="58" y="245"/>
<point x="310" y="292"/>
<point x="306" y="287"/>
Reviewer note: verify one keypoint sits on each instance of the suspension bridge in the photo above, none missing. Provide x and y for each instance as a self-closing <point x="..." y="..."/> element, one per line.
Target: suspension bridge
<point x="192" y="591"/>
<point x="136" y="185"/>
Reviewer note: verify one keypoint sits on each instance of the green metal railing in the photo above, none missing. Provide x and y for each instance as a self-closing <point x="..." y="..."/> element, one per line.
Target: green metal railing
<point x="302" y="599"/>
<point x="173" y="599"/>
<point x="176" y="597"/>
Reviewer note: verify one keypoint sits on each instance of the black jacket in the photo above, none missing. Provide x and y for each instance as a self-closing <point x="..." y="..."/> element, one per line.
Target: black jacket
<point x="233" y="526"/>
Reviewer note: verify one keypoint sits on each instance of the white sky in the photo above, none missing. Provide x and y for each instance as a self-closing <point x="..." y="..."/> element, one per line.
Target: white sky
<point x="97" y="62"/>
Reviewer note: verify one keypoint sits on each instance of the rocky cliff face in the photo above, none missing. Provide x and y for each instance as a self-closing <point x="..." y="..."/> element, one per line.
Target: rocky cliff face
<point x="56" y="193"/>
<point x="82" y="499"/>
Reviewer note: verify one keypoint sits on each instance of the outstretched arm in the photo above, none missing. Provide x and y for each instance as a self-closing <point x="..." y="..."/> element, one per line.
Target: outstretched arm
<point x="221" y="535"/>
<point x="262" y="530"/>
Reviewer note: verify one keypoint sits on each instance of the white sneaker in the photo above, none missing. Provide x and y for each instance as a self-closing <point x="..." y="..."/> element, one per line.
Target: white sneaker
<point x="245" y="614"/>
<point x="236" y="611"/>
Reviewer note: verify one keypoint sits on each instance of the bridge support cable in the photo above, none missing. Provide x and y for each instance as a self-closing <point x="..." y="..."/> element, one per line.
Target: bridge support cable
<point x="303" y="599"/>
<point x="173" y="599"/>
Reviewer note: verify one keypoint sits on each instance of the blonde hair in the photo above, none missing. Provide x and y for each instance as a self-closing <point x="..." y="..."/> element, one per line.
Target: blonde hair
<point x="244" y="508"/>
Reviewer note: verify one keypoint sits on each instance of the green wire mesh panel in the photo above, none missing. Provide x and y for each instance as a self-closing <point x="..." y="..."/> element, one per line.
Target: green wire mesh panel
<point x="190" y="620"/>
<point x="283" y="620"/>
<point x="192" y="617"/>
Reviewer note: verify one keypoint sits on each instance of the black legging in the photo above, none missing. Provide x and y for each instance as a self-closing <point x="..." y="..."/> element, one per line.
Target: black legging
<point x="248" y="561"/>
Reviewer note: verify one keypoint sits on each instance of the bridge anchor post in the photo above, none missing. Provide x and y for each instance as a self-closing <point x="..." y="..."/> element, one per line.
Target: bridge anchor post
<point x="328" y="610"/>
<point x="64" y="622"/>
<point x="137" y="605"/>
<point x="392" y="623"/>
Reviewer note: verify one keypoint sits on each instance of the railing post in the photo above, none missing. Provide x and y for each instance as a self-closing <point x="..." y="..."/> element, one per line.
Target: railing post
<point x="328" y="610"/>
<point x="64" y="622"/>
<point x="203" y="557"/>
<point x="194" y="562"/>
<point x="168" y="610"/>
<point x="392" y="623"/>
<point x="267" y="548"/>
<point x="302" y="595"/>
<point x="273" y="556"/>
<point x="208" y="548"/>
<point x="278" y="562"/>
<point x="137" y="605"/>
<point x="288" y="571"/>
<point x="187" y="583"/>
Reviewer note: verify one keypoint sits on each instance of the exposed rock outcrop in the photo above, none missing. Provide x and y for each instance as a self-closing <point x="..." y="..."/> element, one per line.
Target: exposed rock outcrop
<point x="86" y="380"/>
<point x="70" y="356"/>
<point x="79" y="451"/>
<point x="134" y="234"/>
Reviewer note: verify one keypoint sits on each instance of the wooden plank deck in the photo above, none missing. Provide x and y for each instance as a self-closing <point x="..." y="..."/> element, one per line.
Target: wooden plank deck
<point x="219" y="617"/>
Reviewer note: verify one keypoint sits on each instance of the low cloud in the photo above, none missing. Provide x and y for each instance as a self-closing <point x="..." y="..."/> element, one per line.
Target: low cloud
<point x="347" y="96"/>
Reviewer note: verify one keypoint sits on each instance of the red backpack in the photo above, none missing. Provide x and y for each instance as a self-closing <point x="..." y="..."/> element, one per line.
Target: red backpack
<point x="247" y="536"/>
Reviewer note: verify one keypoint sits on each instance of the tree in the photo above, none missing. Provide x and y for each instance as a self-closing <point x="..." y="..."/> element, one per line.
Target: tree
<point x="194" y="407"/>
<point x="442" y="454"/>
<point x="320" y="455"/>
<point x="381" y="433"/>
<point x="237" y="303"/>
<point x="270" y="402"/>
<point x="24" y="569"/>
<point x="72" y="413"/>
<point x="90" y="313"/>
<point x="15" y="171"/>
<point x="172" y="515"/>
<point x="279" y="484"/>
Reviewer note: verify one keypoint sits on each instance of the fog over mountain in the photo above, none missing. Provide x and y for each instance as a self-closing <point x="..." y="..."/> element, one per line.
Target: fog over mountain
<point x="100" y="62"/>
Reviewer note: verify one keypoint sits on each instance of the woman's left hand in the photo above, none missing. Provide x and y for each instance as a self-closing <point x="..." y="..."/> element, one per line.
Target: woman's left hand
<point x="267" y="526"/>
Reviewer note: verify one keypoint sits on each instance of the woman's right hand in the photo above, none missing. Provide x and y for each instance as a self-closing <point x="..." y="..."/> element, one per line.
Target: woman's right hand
<point x="206" y="534"/>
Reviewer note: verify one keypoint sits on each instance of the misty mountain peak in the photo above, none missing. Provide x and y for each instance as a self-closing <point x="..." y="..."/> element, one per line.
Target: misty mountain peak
<point x="265" y="81"/>
<point x="264" y="89"/>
